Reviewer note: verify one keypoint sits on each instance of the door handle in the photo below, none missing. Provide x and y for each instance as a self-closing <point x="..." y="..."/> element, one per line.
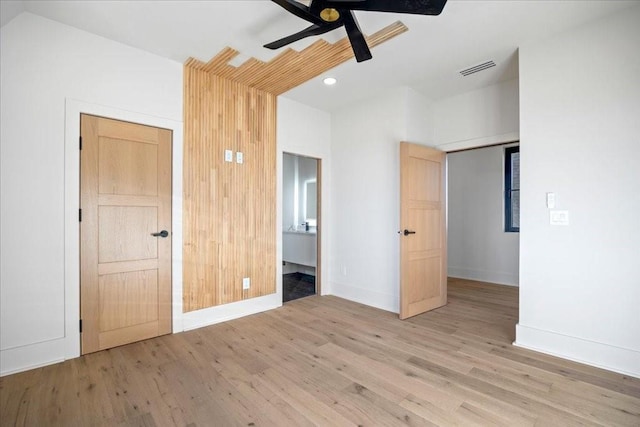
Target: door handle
<point x="407" y="232"/>
<point x="163" y="233"/>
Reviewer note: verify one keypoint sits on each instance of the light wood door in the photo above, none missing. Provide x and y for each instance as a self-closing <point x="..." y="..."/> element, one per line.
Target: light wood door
<point x="125" y="197"/>
<point x="423" y="247"/>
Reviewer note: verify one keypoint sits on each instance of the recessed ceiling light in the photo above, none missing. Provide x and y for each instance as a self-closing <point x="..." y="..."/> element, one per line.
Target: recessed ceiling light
<point x="329" y="81"/>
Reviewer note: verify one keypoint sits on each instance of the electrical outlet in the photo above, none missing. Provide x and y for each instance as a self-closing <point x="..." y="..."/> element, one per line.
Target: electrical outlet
<point x="246" y="283"/>
<point x="239" y="157"/>
<point x="228" y="156"/>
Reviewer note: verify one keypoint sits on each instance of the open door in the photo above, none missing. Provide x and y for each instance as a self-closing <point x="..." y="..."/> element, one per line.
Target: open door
<point x="423" y="238"/>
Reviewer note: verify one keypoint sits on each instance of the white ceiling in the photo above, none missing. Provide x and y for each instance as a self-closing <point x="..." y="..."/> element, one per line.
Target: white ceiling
<point x="426" y="58"/>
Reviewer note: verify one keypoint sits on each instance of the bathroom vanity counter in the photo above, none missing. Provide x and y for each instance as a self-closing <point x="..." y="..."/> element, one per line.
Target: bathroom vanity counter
<point x="311" y="232"/>
<point x="299" y="247"/>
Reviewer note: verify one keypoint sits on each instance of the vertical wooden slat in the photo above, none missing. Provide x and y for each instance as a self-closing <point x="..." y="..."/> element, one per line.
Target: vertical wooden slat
<point x="228" y="208"/>
<point x="290" y="68"/>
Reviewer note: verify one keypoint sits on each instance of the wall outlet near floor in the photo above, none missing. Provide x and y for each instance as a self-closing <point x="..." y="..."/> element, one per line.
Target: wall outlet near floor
<point x="246" y="283"/>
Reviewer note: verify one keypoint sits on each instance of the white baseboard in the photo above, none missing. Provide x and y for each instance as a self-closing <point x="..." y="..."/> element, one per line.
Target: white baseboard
<point x="31" y="356"/>
<point x="234" y="310"/>
<point x="364" y="296"/>
<point x="23" y="358"/>
<point x="617" y="359"/>
<point x="498" y="277"/>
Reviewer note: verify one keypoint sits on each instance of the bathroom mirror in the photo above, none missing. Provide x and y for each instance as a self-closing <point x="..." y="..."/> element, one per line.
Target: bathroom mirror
<point x="310" y="195"/>
<point x="299" y="192"/>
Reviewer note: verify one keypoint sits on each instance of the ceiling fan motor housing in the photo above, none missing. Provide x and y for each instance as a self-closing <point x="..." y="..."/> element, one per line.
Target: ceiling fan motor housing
<point x="329" y="14"/>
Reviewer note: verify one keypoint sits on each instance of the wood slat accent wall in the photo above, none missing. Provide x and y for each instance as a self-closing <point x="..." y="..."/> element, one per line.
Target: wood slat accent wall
<point x="229" y="209"/>
<point x="290" y="68"/>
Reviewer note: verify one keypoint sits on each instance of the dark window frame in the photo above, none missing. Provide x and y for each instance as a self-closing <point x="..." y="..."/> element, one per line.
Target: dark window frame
<point x="508" y="190"/>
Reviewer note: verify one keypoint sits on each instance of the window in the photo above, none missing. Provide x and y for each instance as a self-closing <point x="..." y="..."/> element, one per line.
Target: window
<point x="512" y="189"/>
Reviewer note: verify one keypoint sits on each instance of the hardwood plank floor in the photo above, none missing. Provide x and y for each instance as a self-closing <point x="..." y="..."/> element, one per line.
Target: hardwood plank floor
<point x="329" y="361"/>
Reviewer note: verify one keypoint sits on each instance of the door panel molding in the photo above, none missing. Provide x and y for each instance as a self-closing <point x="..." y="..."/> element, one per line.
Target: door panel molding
<point x="70" y="346"/>
<point x="118" y="307"/>
<point x="423" y="249"/>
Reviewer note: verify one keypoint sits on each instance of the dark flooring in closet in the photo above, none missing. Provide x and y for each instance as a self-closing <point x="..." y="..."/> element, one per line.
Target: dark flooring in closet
<point x="297" y="285"/>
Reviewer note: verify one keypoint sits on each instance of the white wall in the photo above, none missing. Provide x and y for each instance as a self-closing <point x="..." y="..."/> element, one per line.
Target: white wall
<point x="478" y="247"/>
<point x="49" y="74"/>
<point x="365" y="152"/>
<point x="365" y="137"/>
<point x="420" y="116"/>
<point x="580" y="138"/>
<point x="307" y="131"/>
<point x="477" y="118"/>
<point x="45" y="65"/>
<point x="288" y="190"/>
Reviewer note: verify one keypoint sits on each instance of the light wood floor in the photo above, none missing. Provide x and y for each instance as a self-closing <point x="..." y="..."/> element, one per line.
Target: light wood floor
<point x="328" y="361"/>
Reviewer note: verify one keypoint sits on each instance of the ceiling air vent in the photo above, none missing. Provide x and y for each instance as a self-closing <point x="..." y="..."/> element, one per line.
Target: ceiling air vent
<point x="477" y="68"/>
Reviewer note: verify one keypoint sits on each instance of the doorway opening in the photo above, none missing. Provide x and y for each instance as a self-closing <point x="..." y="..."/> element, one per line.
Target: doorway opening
<point x="300" y="226"/>
<point x="483" y="185"/>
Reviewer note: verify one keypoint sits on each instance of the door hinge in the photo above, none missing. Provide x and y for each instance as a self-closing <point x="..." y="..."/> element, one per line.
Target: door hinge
<point x="79" y="215"/>
<point x="81" y="142"/>
<point x="81" y="325"/>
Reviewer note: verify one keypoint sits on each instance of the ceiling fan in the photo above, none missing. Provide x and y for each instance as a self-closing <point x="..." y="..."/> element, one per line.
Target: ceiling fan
<point x="327" y="15"/>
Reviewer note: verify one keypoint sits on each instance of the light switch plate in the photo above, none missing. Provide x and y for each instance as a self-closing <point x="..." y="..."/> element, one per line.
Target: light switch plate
<point x="228" y="156"/>
<point x="246" y="283"/>
<point x="239" y="157"/>
<point x="559" y="217"/>
<point x="551" y="200"/>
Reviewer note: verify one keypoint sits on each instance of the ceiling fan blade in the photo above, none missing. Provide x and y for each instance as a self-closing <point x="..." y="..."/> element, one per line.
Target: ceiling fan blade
<point x="313" y="30"/>
<point x="358" y="42"/>
<point x="419" y="7"/>
<point x="299" y="10"/>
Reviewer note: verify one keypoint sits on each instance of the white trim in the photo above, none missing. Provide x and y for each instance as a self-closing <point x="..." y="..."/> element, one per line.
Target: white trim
<point x="234" y="310"/>
<point x="383" y="301"/>
<point x="498" y="277"/>
<point x="479" y="142"/>
<point x="73" y="109"/>
<point x="623" y="360"/>
<point x="31" y="356"/>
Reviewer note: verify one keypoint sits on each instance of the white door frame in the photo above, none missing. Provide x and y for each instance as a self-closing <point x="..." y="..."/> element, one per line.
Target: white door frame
<point x="73" y="109"/>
